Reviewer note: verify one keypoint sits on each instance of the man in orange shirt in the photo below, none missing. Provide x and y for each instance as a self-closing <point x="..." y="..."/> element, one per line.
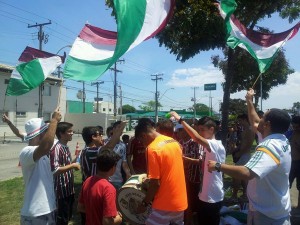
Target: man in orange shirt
<point x="167" y="187"/>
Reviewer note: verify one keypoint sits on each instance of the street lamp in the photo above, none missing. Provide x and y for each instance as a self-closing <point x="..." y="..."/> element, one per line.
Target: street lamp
<point x="160" y="97"/>
<point x="58" y="68"/>
<point x="165" y="92"/>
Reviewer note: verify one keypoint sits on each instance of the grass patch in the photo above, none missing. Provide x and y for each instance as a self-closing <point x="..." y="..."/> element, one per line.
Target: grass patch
<point x="12" y="195"/>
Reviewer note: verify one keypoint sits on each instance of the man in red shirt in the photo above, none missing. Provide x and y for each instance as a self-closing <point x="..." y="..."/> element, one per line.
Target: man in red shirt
<point x="98" y="196"/>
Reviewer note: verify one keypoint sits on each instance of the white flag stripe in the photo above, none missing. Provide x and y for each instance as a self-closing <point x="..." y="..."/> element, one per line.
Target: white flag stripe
<point x="156" y="13"/>
<point x="91" y="52"/>
<point x="49" y="65"/>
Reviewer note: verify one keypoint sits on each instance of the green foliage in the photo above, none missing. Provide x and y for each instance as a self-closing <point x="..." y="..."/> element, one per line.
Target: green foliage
<point x="149" y="106"/>
<point x="236" y="106"/>
<point x="128" y="109"/>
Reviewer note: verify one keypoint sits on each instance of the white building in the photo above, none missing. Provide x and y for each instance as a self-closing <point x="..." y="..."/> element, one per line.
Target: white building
<point x="104" y="107"/>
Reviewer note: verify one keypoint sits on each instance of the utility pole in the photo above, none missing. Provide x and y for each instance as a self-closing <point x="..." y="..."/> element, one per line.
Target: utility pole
<point x="41" y="38"/>
<point x="157" y="77"/>
<point x="194" y="100"/>
<point x="97" y="84"/>
<point x="115" y="84"/>
<point x="83" y="96"/>
<point x="120" y="100"/>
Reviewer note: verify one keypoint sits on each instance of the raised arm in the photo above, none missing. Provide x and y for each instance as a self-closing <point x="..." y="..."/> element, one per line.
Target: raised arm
<point x="13" y="128"/>
<point x="252" y="115"/>
<point x="192" y="132"/>
<point x="48" y="139"/>
<point x="115" y="138"/>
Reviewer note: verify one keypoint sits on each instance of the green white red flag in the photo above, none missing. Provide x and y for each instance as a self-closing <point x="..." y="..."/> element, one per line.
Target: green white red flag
<point x="262" y="46"/>
<point x="32" y="72"/>
<point x="95" y="50"/>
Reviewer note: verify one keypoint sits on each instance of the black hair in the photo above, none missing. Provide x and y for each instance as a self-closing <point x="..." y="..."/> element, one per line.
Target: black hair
<point x="243" y="116"/>
<point x="125" y="137"/>
<point x="165" y="127"/>
<point x="296" y="120"/>
<point x="62" y="127"/>
<point x="100" y="128"/>
<point x="207" y="122"/>
<point x="87" y="134"/>
<point x="279" y="120"/>
<point x="144" y="124"/>
<point x="107" y="159"/>
<point x="108" y="130"/>
<point x="116" y="123"/>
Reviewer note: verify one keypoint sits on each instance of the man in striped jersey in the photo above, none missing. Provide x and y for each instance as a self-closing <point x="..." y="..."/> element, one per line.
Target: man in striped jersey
<point x="62" y="167"/>
<point x="267" y="170"/>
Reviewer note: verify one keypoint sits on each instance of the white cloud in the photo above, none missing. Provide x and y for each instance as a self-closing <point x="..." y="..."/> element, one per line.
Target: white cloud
<point x="195" y="77"/>
<point x="282" y="96"/>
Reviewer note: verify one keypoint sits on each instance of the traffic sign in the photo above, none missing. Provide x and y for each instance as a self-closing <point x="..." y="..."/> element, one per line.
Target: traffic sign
<point x="210" y="87"/>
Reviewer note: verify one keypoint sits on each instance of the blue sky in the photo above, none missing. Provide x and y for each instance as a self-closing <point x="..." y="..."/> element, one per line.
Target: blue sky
<point x="68" y="18"/>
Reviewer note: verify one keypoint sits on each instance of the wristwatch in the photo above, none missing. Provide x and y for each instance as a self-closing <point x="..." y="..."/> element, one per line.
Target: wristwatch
<point x="218" y="166"/>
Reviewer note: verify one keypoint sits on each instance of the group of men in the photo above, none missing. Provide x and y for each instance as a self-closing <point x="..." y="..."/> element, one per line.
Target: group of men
<point x="179" y="174"/>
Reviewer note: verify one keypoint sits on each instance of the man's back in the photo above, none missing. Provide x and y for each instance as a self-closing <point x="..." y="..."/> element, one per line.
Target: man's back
<point x="99" y="198"/>
<point x="164" y="157"/>
<point x="269" y="192"/>
<point x="38" y="179"/>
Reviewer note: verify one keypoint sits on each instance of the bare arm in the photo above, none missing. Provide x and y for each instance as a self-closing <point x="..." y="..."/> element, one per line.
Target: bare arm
<point x="192" y="132"/>
<point x="252" y="115"/>
<point x="66" y="168"/>
<point x="112" y="220"/>
<point x="48" y="139"/>
<point x="115" y="138"/>
<point x="126" y="169"/>
<point x="13" y="128"/>
<point x="238" y="172"/>
<point x="129" y="157"/>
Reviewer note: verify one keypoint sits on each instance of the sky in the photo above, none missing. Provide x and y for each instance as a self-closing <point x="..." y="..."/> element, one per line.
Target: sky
<point x="179" y="79"/>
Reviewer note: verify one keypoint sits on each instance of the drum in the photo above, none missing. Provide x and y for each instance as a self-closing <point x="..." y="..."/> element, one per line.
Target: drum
<point x="130" y="197"/>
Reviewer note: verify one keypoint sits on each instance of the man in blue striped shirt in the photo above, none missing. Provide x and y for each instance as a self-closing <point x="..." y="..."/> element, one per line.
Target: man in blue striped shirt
<point x="62" y="167"/>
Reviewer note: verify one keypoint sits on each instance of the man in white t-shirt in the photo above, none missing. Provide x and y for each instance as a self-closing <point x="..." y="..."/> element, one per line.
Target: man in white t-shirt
<point x="39" y="197"/>
<point x="211" y="192"/>
<point x="267" y="170"/>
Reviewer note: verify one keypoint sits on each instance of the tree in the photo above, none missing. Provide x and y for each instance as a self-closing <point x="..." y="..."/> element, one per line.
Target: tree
<point x="296" y="107"/>
<point x="196" y="26"/>
<point x="149" y="106"/>
<point x="201" y="109"/>
<point x="236" y="106"/>
<point x="128" y="109"/>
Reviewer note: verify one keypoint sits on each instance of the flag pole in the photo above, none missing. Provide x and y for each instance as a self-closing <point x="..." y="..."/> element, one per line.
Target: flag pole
<point x="260" y="74"/>
<point x="59" y="93"/>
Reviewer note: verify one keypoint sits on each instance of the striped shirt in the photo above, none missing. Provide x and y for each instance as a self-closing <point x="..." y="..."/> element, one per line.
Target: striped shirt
<point x="60" y="156"/>
<point x="88" y="162"/>
<point x="191" y="150"/>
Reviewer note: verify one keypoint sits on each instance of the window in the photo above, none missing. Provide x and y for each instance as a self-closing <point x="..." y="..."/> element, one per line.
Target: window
<point x="110" y="110"/>
<point x="103" y="109"/>
<point x="20" y="114"/>
<point x="47" y="90"/>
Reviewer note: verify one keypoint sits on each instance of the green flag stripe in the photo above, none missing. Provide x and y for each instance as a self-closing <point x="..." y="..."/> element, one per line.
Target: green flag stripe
<point x="129" y="24"/>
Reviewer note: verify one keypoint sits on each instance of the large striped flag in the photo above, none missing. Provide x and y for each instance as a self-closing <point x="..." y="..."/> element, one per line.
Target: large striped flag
<point x="34" y="68"/>
<point x="262" y="46"/>
<point x="95" y="50"/>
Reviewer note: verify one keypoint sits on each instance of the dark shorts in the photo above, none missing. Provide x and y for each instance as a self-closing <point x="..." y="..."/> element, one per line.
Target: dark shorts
<point x="192" y="190"/>
<point x="64" y="210"/>
<point x="209" y="213"/>
<point x="295" y="173"/>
